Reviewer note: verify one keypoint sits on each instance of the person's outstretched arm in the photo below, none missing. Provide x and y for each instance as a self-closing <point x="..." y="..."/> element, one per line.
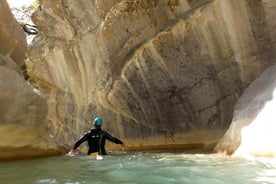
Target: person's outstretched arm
<point x="113" y="139"/>
<point x="75" y="151"/>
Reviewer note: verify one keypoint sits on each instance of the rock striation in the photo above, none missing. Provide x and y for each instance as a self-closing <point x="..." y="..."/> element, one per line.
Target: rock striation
<point x="161" y="74"/>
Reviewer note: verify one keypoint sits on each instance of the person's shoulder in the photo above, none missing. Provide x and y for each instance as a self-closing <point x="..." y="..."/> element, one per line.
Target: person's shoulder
<point x="89" y="131"/>
<point x="105" y="132"/>
<point x="101" y="130"/>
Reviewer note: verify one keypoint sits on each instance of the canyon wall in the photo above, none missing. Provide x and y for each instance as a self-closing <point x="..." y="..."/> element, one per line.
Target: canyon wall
<point x="252" y="131"/>
<point x="23" y="109"/>
<point x="162" y="74"/>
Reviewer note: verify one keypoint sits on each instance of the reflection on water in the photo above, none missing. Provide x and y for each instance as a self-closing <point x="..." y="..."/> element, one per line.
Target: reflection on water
<point x="141" y="168"/>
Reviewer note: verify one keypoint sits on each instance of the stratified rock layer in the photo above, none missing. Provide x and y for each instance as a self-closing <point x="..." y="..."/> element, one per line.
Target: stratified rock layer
<point x="161" y="74"/>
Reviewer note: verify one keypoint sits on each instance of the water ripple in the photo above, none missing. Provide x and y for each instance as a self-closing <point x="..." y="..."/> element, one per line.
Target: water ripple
<point x="141" y="168"/>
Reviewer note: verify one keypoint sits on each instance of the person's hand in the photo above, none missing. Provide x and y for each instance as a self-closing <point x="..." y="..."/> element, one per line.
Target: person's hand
<point x="123" y="147"/>
<point x="74" y="152"/>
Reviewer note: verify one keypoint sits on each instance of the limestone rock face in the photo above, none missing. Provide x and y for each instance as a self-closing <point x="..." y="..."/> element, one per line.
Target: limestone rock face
<point x="161" y="74"/>
<point x="252" y="130"/>
<point x="12" y="39"/>
<point x="23" y="110"/>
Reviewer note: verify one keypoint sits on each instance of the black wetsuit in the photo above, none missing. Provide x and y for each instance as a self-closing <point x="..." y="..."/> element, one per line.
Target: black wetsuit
<point x="96" y="141"/>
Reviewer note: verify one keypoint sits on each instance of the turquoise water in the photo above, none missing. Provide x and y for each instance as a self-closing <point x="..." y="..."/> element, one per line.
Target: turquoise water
<point x="141" y="168"/>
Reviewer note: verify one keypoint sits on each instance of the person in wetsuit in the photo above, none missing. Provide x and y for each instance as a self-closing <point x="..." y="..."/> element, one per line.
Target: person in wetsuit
<point x="96" y="139"/>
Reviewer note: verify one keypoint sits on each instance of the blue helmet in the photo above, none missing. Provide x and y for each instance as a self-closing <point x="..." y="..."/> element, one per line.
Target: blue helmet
<point x="98" y="122"/>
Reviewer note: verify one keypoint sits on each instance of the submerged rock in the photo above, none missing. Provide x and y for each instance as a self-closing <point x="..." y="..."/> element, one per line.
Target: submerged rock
<point x="161" y="74"/>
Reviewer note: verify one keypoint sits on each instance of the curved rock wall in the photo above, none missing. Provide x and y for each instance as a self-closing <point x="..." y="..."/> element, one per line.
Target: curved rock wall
<point x="12" y="39"/>
<point x="23" y="110"/>
<point x="253" y="125"/>
<point x="162" y="74"/>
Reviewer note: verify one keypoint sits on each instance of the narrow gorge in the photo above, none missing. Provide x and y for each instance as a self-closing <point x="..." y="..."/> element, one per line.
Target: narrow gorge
<point x="163" y="74"/>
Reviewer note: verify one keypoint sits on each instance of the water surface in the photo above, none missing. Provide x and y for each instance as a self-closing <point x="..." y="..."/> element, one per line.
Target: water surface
<point x="141" y="168"/>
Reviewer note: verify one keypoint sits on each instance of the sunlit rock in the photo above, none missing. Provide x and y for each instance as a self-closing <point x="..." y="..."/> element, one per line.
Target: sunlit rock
<point x="252" y="130"/>
<point x="12" y="39"/>
<point x="22" y="109"/>
<point x="161" y="74"/>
